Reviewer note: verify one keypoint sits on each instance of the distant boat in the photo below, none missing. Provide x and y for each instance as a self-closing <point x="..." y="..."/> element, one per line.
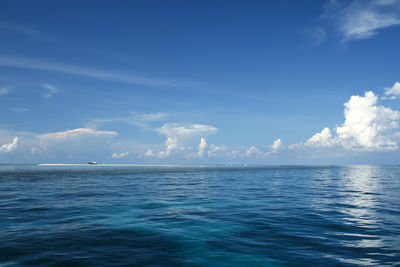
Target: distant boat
<point x="92" y="163"/>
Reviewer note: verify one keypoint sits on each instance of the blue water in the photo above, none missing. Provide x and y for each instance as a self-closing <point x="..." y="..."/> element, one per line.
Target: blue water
<point x="199" y="216"/>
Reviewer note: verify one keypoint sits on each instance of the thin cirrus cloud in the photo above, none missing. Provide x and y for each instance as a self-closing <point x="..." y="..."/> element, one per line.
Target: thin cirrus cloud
<point x="362" y="19"/>
<point x="141" y="120"/>
<point x="20" y="110"/>
<point x="23" y="30"/>
<point x="51" y="90"/>
<point x="107" y="75"/>
<point x="4" y="91"/>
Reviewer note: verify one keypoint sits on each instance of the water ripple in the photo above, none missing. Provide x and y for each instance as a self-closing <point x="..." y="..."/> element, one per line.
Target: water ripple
<point x="199" y="216"/>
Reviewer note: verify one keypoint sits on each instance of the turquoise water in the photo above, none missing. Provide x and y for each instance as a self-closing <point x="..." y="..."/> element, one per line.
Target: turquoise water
<point x="199" y="215"/>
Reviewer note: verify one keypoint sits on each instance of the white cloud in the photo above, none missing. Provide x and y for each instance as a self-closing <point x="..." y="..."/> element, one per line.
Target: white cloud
<point x="4" y="90"/>
<point x="171" y="145"/>
<point x="51" y="90"/>
<point x="84" y="144"/>
<point x="84" y="72"/>
<point x="234" y="153"/>
<point x="362" y="19"/>
<point x="393" y="91"/>
<point x="322" y="139"/>
<point x="366" y="123"/>
<point x="189" y="130"/>
<point x="149" y="153"/>
<point x="202" y="147"/>
<point x="120" y="155"/>
<point x="10" y="147"/>
<point x="181" y="135"/>
<point x="252" y="151"/>
<point x="276" y="145"/>
<point x="75" y="133"/>
<point x="367" y="126"/>
<point x="214" y="149"/>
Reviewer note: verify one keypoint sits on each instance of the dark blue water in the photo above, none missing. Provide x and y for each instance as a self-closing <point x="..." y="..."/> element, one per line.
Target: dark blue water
<point x="199" y="216"/>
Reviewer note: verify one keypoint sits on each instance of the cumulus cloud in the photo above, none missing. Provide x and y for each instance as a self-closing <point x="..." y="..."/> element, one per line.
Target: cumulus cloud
<point x="367" y="126"/>
<point x="51" y="90"/>
<point x="82" y="144"/>
<point x="366" y="123"/>
<point x="214" y="149"/>
<point x="10" y="147"/>
<point x="120" y="155"/>
<point x="181" y="136"/>
<point x="362" y="19"/>
<point x="202" y="147"/>
<point x="276" y="145"/>
<point x="252" y="151"/>
<point x="4" y="91"/>
<point x="394" y="91"/>
<point x="75" y="133"/>
<point x="322" y="139"/>
<point x="149" y="153"/>
<point x="171" y="145"/>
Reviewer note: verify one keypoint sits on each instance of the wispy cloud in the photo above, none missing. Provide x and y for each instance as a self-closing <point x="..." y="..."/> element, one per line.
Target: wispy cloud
<point x="317" y="34"/>
<point x="120" y="155"/>
<point x="100" y="74"/>
<point x="363" y="19"/>
<point x="4" y="90"/>
<point x="141" y="120"/>
<point x="20" y="110"/>
<point x="51" y="90"/>
<point x="20" y="29"/>
<point x="392" y="92"/>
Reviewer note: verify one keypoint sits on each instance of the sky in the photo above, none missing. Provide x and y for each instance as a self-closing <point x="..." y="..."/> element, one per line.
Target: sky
<point x="181" y="82"/>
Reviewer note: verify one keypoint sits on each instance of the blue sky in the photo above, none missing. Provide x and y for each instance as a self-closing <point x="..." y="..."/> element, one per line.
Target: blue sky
<point x="284" y="82"/>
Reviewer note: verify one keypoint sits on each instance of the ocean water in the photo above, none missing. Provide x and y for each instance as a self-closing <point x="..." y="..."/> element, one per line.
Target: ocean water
<point x="199" y="215"/>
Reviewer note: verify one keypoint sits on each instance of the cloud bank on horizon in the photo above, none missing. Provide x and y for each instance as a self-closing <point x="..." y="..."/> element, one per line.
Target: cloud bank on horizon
<point x="368" y="126"/>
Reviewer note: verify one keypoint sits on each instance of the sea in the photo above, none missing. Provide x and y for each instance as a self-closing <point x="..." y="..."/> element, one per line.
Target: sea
<point x="199" y="215"/>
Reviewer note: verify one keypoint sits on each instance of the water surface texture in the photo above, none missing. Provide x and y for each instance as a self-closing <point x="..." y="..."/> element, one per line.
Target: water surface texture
<point x="199" y="216"/>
